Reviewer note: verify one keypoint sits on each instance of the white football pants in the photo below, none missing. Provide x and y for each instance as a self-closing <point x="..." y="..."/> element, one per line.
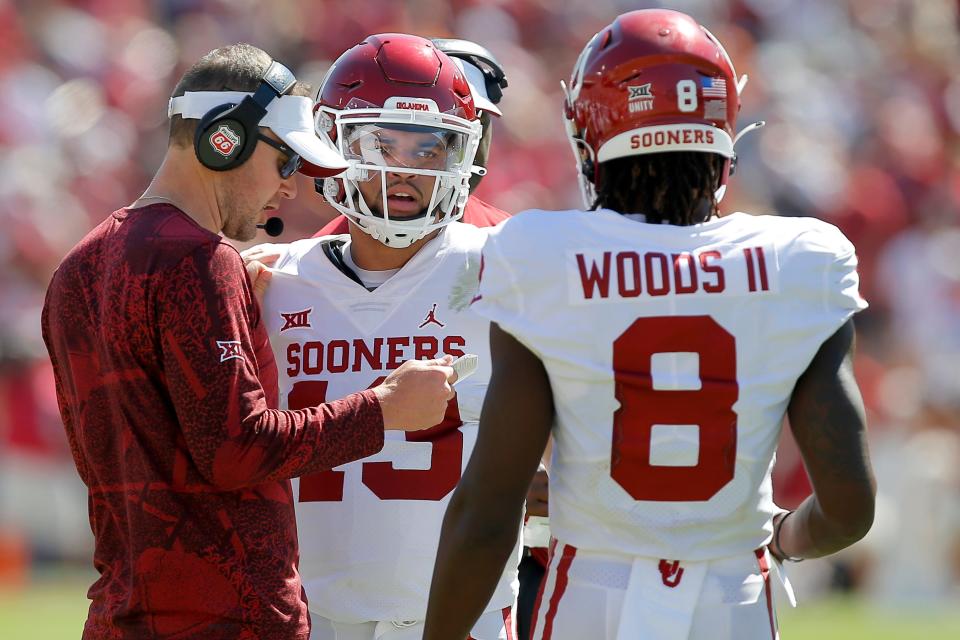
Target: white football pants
<point x="615" y="597"/>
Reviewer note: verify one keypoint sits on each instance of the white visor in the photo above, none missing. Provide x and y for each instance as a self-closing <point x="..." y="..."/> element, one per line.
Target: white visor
<point x="478" y="86"/>
<point x="290" y="117"/>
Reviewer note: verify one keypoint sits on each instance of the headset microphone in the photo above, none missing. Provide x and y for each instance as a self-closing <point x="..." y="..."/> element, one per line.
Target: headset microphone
<point x="273" y="226"/>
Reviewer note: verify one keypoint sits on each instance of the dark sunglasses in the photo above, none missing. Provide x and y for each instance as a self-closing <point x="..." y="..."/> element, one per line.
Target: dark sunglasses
<point x="292" y="165"/>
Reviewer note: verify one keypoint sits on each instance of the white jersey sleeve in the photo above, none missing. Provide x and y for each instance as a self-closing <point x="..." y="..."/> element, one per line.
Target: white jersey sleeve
<point x="820" y="248"/>
<point x="672" y="353"/>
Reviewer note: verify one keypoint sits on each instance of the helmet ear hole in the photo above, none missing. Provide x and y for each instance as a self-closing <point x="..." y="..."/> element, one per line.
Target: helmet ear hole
<point x="588" y="169"/>
<point x="331" y="189"/>
<point x="588" y="164"/>
<point x="358" y="174"/>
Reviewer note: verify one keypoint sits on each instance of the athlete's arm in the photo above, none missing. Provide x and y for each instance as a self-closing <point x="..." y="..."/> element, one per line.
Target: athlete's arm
<point x="829" y="424"/>
<point x="483" y="518"/>
<point x="207" y="319"/>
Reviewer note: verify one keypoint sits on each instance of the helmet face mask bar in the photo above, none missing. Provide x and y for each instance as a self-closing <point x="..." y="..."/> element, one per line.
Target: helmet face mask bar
<point x="409" y="131"/>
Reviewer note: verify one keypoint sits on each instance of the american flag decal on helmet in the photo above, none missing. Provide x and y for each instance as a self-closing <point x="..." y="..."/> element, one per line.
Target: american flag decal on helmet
<point x="714" y="87"/>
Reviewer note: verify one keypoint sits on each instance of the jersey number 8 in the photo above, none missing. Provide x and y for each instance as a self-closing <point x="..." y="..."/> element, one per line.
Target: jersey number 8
<point x="642" y="407"/>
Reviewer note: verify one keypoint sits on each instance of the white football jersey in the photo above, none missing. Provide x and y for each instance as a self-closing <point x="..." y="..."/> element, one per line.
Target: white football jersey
<point x="672" y="352"/>
<point x="369" y="530"/>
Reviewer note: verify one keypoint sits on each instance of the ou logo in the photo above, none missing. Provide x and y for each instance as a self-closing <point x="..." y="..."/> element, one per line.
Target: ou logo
<point x="224" y="140"/>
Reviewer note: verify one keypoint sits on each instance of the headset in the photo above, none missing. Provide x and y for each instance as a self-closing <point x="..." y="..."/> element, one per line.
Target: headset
<point x="227" y="134"/>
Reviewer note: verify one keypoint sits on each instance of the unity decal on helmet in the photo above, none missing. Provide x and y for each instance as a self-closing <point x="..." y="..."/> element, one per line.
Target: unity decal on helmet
<point x="670" y="573"/>
<point x="224" y="140"/>
<point x="640" y="97"/>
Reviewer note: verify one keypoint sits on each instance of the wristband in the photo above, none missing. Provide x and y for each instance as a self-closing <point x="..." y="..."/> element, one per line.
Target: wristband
<point x="776" y="540"/>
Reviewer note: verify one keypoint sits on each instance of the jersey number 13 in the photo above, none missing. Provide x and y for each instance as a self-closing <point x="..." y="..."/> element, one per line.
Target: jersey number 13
<point x="381" y="478"/>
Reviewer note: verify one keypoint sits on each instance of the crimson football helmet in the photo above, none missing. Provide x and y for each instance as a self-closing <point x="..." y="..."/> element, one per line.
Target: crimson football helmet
<point x="652" y="81"/>
<point x="396" y="107"/>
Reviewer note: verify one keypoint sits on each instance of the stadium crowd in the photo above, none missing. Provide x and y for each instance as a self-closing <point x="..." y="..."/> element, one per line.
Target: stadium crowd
<point x="862" y="104"/>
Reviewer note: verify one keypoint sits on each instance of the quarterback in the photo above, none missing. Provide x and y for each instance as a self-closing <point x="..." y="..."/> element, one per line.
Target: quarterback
<point x="342" y="311"/>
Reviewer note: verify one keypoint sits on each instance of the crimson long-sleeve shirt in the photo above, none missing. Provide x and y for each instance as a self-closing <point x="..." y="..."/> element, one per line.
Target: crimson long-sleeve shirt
<point x="164" y="379"/>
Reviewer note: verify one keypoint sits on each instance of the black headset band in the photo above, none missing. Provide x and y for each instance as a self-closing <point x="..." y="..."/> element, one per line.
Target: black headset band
<point x="279" y="78"/>
<point x="276" y="81"/>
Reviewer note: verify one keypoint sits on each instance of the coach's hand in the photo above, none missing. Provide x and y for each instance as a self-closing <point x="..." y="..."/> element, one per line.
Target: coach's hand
<point x="415" y="395"/>
<point x="256" y="260"/>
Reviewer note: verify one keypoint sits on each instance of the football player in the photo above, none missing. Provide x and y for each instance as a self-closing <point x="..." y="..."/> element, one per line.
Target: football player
<point x="667" y="344"/>
<point x="487" y="81"/>
<point x="343" y="311"/>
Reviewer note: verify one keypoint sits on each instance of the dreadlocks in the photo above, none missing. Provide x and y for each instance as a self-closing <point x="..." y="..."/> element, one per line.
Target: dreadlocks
<point x="676" y="187"/>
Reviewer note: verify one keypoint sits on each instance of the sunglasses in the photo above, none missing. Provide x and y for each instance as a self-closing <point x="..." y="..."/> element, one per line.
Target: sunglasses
<point x="292" y="165"/>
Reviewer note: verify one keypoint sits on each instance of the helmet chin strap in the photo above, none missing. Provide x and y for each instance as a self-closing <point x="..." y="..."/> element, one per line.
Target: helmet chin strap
<point x="747" y="129"/>
<point x="578" y="145"/>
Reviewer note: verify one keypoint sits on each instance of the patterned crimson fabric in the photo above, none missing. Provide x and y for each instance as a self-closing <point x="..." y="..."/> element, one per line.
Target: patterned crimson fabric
<point x="477" y="212"/>
<point x="159" y="351"/>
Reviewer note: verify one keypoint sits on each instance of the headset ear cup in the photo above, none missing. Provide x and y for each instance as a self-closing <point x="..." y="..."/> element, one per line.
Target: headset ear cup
<point x="221" y="142"/>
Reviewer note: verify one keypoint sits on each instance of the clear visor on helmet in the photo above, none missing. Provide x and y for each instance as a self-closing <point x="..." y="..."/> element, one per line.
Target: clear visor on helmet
<point x="405" y="147"/>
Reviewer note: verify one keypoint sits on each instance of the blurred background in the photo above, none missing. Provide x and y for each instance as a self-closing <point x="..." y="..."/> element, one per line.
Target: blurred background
<point x="862" y="101"/>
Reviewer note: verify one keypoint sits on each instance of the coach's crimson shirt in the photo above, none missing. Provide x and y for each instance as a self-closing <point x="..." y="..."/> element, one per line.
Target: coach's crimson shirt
<point x="159" y="353"/>
<point x="476" y="212"/>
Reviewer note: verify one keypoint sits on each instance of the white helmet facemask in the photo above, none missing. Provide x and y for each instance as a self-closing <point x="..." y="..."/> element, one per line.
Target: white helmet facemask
<point x="389" y="151"/>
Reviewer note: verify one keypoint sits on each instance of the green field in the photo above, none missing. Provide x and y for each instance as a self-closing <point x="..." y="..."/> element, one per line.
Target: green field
<point x="53" y="608"/>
